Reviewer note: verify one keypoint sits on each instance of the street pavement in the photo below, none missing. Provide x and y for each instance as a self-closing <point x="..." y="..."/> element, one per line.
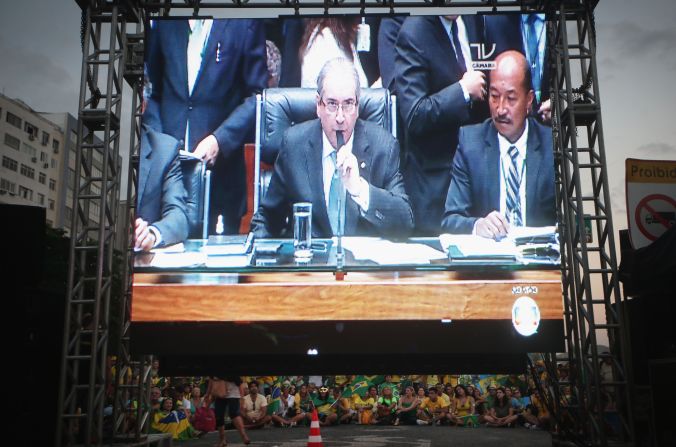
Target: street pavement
<point x="383" y="436"/>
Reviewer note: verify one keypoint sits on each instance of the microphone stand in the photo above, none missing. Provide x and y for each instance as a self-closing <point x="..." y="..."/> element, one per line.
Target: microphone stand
<point x="340" y="254"/>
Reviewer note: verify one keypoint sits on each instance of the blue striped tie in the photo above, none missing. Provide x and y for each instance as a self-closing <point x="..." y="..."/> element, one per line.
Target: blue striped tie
<point x="513" y="185"/>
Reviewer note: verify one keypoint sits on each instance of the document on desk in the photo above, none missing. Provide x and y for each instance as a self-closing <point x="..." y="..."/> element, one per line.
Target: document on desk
<point x="176" y="260"/>
<point x="385" y="252"/>
<point x="467" y="246"/>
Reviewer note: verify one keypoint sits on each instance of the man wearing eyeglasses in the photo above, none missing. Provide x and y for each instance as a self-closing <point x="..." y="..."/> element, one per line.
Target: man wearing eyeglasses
<point x="318" y="156"/>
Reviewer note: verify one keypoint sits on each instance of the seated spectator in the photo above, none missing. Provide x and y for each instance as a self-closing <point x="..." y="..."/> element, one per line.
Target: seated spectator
<point x="462" y="410"/>
<point x="255" y="408"/>
<point x="536" y="414"/>
<point x="387" y="406"/>
<point x="513" y="401"/>
<point x="282" y="414"/>
<point x="170" y="420"/>
<point x="502" y="413"/>
<point x="433" y="409"/>
<point x="344" y="410"/>
<point x="421" y="393"/>
<point x="365" y="406"/>
<point x="407" y="407"/>
<point x="302" y="404"/>
<point x="324" y="405"/>
<point x="480" y="406"/>
<point x="155" y="398"/>
<point x="195" y="400"/>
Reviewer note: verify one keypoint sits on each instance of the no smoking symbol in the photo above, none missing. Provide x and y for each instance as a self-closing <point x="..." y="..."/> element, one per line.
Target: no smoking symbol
<point x="655" y="214"/>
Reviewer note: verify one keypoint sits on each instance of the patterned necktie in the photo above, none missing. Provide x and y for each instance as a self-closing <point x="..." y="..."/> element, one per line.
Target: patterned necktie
<point x="513" y="183"/>
<point x="533" y="41"/>
<point x="458" y="47"/>
<point x="334" y="194"/>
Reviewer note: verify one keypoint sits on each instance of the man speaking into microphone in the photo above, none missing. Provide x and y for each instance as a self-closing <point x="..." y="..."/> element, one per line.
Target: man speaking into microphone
<point x="339" y="163"/>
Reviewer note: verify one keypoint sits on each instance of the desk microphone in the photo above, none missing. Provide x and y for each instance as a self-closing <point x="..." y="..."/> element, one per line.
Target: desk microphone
<point x="340" y="256"/>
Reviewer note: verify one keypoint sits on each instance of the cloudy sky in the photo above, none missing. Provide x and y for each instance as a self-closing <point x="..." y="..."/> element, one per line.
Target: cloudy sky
<point x="636" y="44"/>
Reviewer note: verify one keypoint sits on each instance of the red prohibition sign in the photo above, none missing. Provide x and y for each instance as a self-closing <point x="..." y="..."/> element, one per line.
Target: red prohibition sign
<point x="656" y="216"/>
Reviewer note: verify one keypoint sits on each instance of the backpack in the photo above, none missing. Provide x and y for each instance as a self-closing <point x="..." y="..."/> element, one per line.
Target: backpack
<point x="205" y="419"/>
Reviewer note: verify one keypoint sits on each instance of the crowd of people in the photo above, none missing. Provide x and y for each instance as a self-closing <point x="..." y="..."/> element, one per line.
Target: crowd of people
<point x="189" y="407"/>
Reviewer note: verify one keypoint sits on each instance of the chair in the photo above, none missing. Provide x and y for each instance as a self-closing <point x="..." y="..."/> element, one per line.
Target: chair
<point x="197" y="182"/>
<point x="277" y="109"/>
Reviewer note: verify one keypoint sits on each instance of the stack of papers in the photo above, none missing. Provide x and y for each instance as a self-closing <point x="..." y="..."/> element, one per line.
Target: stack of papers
<point x="469" y="247"/>
<point x="385" y="252"/>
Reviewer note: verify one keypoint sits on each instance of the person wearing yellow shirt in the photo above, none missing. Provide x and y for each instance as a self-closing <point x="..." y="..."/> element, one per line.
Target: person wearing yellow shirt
<point x="364" y="406"/>
<point x="433" y="409"/>
<point x="302" y="406"/>
<point x="462" y="410"/>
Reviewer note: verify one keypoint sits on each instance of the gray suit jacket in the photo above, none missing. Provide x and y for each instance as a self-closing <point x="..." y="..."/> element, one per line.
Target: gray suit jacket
<point x="161" y="198"/>
<point x="475" y="190"/>
<point x="297" y="177"/>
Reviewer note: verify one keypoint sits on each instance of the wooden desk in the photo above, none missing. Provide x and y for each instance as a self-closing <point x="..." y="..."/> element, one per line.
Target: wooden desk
<point x="318" y="296"/>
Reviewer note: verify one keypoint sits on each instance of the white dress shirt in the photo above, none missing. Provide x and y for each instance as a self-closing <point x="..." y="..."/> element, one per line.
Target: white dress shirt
<point x="464" y="43"/>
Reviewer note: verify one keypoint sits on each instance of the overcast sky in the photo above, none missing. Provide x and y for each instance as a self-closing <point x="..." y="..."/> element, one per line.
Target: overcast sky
<point x="40" y="62"/>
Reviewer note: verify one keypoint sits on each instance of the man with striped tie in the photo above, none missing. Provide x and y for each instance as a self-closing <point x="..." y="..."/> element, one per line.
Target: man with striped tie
<point x="503" y="170"/>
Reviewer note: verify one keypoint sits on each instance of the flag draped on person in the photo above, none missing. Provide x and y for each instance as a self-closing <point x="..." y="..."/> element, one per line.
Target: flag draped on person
<point x="275" y="400"/>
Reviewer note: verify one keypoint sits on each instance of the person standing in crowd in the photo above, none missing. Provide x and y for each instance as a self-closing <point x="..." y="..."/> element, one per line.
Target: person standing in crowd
<point x="204" y="75"/>
<point x="503" y="172"/>
<point x="438" y="92"/>
<point x="226" y="395"/>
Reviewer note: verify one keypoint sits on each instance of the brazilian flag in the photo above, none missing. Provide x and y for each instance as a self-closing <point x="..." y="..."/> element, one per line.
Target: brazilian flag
<point x="275" y="400"/>
<point x="359" y="385"/>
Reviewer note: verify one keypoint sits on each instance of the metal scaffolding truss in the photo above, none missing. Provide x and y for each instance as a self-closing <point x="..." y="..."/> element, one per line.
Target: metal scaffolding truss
<point x="95" y="202"/>
<point x="111" y="54"/>
<point x="586" y="398"/>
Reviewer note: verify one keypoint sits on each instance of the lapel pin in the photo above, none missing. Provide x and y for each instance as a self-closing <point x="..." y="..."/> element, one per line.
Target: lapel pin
<point x="363" y="165"/>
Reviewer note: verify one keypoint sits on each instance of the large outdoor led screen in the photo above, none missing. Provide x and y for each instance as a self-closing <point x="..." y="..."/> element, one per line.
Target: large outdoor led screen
<point x="345" y="185"/>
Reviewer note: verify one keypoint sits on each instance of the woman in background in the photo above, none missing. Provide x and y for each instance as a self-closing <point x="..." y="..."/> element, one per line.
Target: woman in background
<point x="325" y="39"/>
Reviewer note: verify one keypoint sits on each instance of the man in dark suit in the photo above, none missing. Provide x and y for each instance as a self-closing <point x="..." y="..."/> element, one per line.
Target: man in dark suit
<point x="318" y="155"/>
<point x="526" y="33"/>
<point x="161" y="217"/>
<point x="503" y="172"/>
<point x="204" y="75"/>
<point x="438" y="92"/>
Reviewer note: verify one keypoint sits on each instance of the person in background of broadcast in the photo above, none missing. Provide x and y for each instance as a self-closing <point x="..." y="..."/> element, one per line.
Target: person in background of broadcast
<point x="161" y="208"/>
<point x="503" y="171"/>
<point x="226" y="396"/>
<point x="367" y="161"/>
<point x="325" y="39"/>
<point x="526" y="33"/>
<point x="205" y="74"/>
<point x="438" y="91"/>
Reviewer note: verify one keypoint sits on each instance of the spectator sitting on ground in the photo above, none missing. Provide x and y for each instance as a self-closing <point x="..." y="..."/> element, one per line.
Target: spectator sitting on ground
<point x="255" y="408"/>
<point x="463" y="407"/>
<point x="155" y="397"/>
<point x="502" y="413"/>
<point x="536" y="414"/>
<point x="407" y="407"/>
<point x="302" y="403"/>
<point x="387" y="406"/>
<point x="324" y="405"/>
<point x="281" y="416"/>
<point x="433" y="409"/>
<point x="170" y="420"/>
<point x="364" y="406"/>
<point x="480" y="407"/>
<point x="343" y="407"/>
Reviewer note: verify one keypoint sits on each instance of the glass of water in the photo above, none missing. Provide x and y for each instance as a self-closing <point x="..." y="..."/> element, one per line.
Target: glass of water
<point x="302" y="231"/>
